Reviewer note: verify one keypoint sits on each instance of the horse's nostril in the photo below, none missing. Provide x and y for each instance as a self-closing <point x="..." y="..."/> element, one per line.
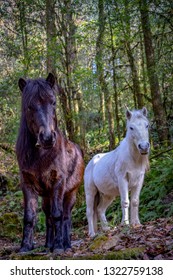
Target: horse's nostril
<point x="139" y="146"/>
<point x="53" y="135"/>
<point x="47" y="138"/>
<point x="144" y="146"/>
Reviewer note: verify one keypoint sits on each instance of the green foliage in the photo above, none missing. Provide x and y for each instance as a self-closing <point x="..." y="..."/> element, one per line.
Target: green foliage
<point x="157" y="194"/>
<point x="9" y="110"/>
<point x="11" y="215"/>
<point x="10" y="225"/>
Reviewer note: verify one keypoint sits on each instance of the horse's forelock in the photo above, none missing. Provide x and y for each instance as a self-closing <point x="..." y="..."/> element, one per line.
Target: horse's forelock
<point x="36" y="89"/>
<point x="138" y="115"/>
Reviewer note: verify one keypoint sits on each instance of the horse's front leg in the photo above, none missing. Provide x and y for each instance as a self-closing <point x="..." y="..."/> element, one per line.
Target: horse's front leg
<point x="46" y="206"/>
<point x="57" y="215"/>
<point x="124" y="194"/>
<point x="69" y="201"/>
<point x="134" y="205"/>
<point x="30" y="207"/>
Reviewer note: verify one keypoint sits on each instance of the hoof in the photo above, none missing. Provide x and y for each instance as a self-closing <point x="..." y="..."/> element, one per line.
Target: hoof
<point x="92" y="234"/>
<point x="124" y="223"/>
<point x="67" y="247"/>
<point x="106" y="228"/>
<point x="68" y="251"/>
<point x="46" y="250"/>
<point x="136" y="226"/>
<point x="24" y="250"/>
<point x="58" y="251"/>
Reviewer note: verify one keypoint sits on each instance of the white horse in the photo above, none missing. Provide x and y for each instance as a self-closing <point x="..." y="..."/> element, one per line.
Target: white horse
<point x="115" y="173"/>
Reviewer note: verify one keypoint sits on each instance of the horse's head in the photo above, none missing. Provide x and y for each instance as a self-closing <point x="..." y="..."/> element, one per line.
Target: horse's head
<point x="38" y="107"/>
<point x="137" y="129"/>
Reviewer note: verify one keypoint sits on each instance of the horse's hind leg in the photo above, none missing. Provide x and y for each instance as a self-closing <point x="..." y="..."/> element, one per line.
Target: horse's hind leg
<point x="30" y="207"/>
<point x="95" y="215"/>
<point x="105" y="201"/>
<point x="91" y="209"/>
<point x="46" y="206"/>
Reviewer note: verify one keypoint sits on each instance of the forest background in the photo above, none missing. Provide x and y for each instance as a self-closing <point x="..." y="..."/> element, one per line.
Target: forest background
<point x="106" y="55"/>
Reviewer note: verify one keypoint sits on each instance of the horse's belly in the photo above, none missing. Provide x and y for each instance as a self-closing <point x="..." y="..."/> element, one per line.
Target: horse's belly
<point x="108" y="189"/>
<point x="105" y="182"/>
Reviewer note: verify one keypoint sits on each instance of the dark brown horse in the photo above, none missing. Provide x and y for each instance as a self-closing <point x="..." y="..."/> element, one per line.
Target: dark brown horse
<point x="50" y="165"/>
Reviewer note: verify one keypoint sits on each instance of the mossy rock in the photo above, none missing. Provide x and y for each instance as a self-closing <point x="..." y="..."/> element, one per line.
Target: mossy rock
<point x="29" y="257"/>
<point x="98" y="242"/>
<point x="10" y="225"/>
<point x="126" y="254"/>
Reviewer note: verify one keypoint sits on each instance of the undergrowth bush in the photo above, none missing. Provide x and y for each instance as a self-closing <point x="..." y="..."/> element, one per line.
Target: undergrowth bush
<point x="157" y="194"/>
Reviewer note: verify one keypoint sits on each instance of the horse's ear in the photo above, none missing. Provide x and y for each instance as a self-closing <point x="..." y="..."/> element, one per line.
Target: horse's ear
<point x="144" y="111"/>
<point x="21" y="83"/>
<point x="51" y="79"/>
<point x="128" y="114"/>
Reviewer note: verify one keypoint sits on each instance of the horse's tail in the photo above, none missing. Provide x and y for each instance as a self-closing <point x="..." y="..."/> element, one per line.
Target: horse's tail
<point x="97" y="200"/>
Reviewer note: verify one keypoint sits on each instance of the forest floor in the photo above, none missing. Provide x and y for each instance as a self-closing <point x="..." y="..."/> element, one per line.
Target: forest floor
<point x="152" y="241"/>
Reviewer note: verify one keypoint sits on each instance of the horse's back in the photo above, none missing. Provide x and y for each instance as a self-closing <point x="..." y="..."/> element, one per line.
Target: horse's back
<point x="91" y="164"/>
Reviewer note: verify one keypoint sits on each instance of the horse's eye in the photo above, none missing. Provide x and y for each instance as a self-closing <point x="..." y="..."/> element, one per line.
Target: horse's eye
<point x="131" y="127"/>
<point x="147" y="126"/>
<point x="53" y="103"/>
<point x="29" y="108"/>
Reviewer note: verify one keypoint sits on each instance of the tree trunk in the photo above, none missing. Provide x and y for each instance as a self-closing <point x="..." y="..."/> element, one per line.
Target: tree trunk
<point x="143" y="69"/>
<point x="138" y="100"/>
<point x="159" y="112"/>
<point x="100" y="73"/>
<point x="23" y="24"/>
<point x="64" y="92"/>
<point x="71" y="96"/>
<point x="51" y="36"/>
<point x="114" y="80"/>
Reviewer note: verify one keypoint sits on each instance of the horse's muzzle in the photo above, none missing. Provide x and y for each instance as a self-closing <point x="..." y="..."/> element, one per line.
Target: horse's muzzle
<point x="46" y="140"/>
<point x="144" y="148"/>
